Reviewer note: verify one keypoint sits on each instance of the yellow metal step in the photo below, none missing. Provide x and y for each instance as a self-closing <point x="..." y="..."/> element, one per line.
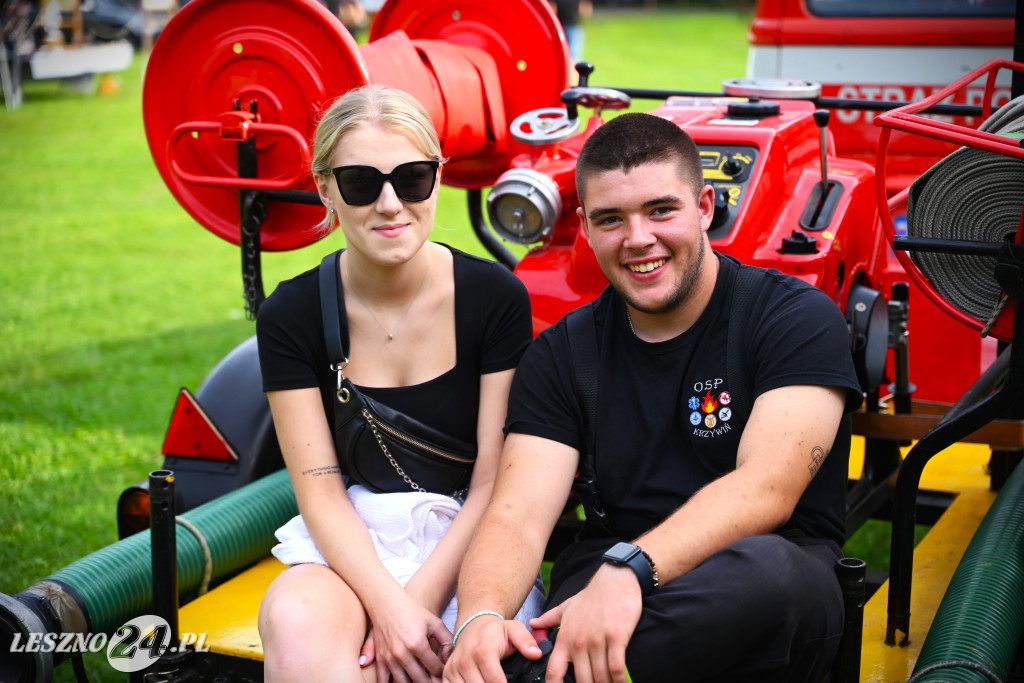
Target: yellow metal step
<point x="960" y="469"/>
<point x="227" y="614"/>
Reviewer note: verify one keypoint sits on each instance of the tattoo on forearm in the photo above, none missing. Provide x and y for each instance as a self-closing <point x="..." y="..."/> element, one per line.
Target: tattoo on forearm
<point x="817" y="457"/>
<point x="321" y="471"/>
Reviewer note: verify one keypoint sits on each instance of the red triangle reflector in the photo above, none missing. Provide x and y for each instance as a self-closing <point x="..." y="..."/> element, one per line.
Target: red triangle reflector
<point x="192" y="433"/>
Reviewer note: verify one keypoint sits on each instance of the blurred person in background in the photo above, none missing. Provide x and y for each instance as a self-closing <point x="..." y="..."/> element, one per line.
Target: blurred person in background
<point x="351" y="13"/>
<point x="569" y="14"/>
<point x="16" y="21"/>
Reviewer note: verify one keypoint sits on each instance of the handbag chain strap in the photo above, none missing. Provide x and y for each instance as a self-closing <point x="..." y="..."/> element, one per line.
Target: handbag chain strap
<point x="344" y="396"/>
<point x="391" y="459"/>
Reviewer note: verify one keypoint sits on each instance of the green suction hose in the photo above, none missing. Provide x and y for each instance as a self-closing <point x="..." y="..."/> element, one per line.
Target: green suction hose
<point x="981" y="617"/>
<point x="115" y="582"/>
<point x="101" y="591"/>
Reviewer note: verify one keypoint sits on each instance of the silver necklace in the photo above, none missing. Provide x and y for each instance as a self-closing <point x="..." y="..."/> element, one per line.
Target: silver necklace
<point x="390" y="333"/>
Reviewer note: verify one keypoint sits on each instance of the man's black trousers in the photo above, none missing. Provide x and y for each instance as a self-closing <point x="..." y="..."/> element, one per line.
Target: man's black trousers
<point x="766" y="608"/>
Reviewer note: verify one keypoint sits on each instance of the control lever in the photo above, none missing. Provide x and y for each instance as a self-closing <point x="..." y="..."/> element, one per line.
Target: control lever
<point x="551" y="125"/>
<point x="584" y="69"/>
<point x="821" y="117"/>
<point x="825" y="196"/>
<point x="571" y="98"/>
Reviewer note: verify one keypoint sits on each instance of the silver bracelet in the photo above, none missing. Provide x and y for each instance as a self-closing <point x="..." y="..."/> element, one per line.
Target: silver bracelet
<point x="466" y="623"/>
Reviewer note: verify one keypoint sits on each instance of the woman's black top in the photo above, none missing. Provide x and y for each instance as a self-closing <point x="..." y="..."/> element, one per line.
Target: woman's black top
<point x="493" y="327"/>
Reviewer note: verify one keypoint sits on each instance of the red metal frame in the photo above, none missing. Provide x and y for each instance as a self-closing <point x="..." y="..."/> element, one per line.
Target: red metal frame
<point x="907" y="119"/>
<point x="501" y="59"/>
<point x="237" y="126"/>
<point x="289" y="58"/>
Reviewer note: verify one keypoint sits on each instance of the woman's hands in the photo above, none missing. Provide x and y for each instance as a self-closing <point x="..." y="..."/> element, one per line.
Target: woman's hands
<point x="407" y="642"/>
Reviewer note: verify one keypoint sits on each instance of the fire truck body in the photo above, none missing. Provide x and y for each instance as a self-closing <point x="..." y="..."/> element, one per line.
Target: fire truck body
<point x="898" y="52"/>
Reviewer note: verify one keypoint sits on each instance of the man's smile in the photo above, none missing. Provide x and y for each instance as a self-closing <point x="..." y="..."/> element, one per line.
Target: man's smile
<point x="647" y="266"/>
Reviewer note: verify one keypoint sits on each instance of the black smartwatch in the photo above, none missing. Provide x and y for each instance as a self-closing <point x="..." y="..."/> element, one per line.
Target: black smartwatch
<point x="629" y="555"/>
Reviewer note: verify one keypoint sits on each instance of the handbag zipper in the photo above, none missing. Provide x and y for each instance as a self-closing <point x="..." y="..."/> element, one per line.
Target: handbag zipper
<point x="408" y="439"/>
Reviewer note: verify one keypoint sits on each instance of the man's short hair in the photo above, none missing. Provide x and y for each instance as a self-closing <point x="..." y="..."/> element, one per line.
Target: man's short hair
<point x="633" y="139"/>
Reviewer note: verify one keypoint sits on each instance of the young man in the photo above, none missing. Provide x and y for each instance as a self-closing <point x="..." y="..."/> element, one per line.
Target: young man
<point x="731" y="510"/>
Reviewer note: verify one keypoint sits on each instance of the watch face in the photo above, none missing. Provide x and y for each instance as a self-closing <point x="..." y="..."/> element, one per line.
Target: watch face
<point x="621" y="553"/>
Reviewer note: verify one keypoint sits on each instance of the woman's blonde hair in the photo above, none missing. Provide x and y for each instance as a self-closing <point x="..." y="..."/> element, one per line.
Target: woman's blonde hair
<point x="390" y="108"/>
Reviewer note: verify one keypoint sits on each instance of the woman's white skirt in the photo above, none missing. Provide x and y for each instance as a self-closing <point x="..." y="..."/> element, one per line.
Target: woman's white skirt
<point x="405" y="528"/>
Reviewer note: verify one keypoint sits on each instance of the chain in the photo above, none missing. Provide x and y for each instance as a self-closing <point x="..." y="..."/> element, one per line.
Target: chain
<point x="394" y="463"/>
<point x="629" y="320"/>
<point x="253" y="214"/>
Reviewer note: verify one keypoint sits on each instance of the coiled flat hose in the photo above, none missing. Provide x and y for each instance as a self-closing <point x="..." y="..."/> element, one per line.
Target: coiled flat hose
<point x="981" y="617"/>
<point x="972" y="194"/>
<point x="101" y="591"/>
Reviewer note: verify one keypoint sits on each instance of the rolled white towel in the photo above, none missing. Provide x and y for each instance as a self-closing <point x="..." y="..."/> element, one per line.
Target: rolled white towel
<point x="405" y="529"/>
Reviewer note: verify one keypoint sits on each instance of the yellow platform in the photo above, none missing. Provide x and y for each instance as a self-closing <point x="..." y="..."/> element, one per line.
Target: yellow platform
<point x="227" y="614"/>
<point x="960" y="469"/>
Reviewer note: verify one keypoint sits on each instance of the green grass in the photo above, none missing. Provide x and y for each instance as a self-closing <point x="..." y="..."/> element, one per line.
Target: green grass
<point x="112" y="297"/>
<point x="871" y="543"/>
<point x="684" y="51"/>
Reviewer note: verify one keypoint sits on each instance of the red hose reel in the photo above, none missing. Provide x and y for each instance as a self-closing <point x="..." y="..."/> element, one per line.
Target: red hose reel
<point x="972" y="250"/>
<point x="227" y="71"/>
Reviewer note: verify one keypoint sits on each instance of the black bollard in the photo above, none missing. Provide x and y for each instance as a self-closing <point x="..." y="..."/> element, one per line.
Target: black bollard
<point x="851" y="573"/>
<point x="164" y="548"/>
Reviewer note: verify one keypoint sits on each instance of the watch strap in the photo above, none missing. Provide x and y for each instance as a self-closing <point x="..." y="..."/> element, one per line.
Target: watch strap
<point x="654" y="569"/>
<point x="640" y="565"/>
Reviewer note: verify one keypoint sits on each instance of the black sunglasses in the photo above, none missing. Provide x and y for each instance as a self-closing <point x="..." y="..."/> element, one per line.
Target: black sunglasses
<point x="361" y="185"/>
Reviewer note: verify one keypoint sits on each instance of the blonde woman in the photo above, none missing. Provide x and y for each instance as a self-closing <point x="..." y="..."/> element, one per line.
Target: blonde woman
<point x="434" y="333"/>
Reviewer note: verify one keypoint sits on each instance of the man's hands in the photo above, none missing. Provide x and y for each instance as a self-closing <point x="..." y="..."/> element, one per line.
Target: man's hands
<point x="483" y="644"/>
<point x="595" y="626"/>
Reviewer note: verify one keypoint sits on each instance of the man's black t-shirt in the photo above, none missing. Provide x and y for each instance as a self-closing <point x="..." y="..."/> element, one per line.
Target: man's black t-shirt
<point x="492" y="329"/>
<point x="665" y="424"/>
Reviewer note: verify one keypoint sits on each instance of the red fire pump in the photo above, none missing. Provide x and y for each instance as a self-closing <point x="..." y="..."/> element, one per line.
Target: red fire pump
<point x="259" y="72"/>
<point x="232" y="95"/>
<point x="782" y="199"/>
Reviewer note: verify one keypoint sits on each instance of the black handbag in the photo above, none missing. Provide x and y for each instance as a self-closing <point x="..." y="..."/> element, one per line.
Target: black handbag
<point x="383" y="449"/>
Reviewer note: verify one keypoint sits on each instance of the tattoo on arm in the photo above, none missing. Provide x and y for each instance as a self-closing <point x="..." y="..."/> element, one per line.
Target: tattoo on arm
<point x="321" y="471"/>
<point x="817" y="457"/>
